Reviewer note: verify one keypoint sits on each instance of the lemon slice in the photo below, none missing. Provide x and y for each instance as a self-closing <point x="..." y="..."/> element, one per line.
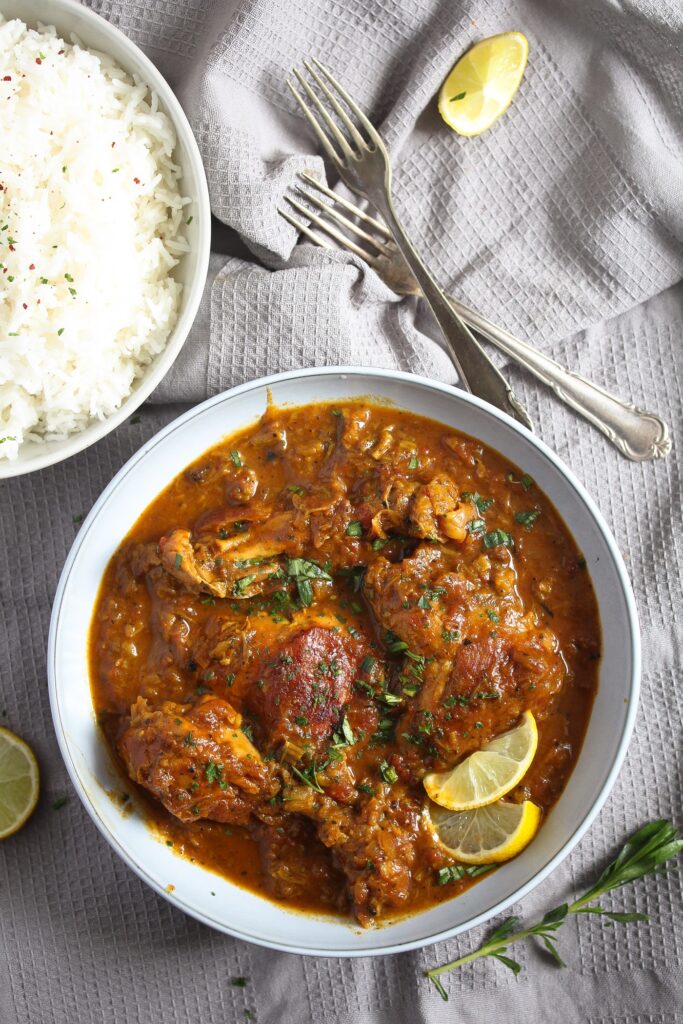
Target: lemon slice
<point x="489" y="773"/>
<point x="487" y="835"/>
<point x="19" y="783"/>
<point x="483" y="82"/>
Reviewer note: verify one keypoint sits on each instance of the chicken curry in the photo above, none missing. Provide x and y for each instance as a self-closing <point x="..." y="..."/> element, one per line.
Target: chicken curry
<point x="322" y="609"/>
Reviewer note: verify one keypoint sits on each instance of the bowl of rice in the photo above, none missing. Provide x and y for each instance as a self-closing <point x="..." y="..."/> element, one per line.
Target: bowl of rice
<point x="104" y="230"/>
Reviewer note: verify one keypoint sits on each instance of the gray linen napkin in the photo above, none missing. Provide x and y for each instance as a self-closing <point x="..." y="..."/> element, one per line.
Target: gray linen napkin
<point x="560" y="223"/>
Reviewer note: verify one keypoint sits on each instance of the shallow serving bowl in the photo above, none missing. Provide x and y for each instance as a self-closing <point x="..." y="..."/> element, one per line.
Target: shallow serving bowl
<point x="69" y="17"/>
<point x="218" y="902"/>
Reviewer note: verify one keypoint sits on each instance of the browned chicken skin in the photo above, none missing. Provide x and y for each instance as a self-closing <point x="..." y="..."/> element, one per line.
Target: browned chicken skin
<point x="301" y="693"/>
<point x="317" y="617"/>
<point x="196" y="760"/>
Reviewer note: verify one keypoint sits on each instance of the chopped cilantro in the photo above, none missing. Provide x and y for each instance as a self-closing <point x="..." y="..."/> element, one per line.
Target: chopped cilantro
<point x="498" y="538"/>
<point x="388" y="772"/>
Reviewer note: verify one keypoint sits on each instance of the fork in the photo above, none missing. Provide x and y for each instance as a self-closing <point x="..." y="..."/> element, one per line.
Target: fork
<point x="362" y="160"/>
<point x="366" y="169"/>
<point x="637" y="434"/>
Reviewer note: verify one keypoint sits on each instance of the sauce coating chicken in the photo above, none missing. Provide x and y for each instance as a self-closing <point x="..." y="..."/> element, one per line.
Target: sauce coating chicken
<point x="319" y="611"/>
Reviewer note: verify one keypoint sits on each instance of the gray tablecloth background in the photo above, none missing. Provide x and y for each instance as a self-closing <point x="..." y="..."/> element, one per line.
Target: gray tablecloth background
<point x="563" y="223"/>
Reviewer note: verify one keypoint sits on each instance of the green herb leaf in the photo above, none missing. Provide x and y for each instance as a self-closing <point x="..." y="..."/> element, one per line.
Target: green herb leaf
<point x="236" y="458"/>
<point x="498" y="538"/>
<point x="483" y="504"/>
<point x="241" y="585"/>
<point x="528" y="519"/>
<point x="388" y="772"/>
<point x="646" y="851"/>
<point x="354" y="529"/>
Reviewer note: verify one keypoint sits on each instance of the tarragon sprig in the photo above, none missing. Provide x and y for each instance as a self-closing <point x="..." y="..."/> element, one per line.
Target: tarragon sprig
<point x="644" y="852"/>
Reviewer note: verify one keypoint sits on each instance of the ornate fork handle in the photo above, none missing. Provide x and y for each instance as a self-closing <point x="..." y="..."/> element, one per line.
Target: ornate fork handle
<point x="638" y="434"/>
<point x="476" y="370"/>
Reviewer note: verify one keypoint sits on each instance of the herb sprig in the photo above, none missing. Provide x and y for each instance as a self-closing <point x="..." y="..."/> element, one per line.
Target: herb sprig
<point x="647" y="849"/>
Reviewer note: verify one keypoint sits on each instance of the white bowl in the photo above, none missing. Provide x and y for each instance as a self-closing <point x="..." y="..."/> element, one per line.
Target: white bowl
<point x="93" y="31"/>
<point x="235" y="910"/>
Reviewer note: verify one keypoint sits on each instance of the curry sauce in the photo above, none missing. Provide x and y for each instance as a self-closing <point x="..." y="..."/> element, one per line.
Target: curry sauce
<point x="320" y="610"/>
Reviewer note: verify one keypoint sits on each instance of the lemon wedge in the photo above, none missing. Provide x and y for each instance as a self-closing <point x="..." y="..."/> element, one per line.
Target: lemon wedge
<point x="19" y="783"/>
<point x="487" y="835"/>
<point x="483" y="82"/>
<point x="487" y="774"/>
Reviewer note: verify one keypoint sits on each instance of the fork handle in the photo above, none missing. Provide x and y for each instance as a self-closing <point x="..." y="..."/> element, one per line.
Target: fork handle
<point x="478" y="374"/>
<point x="639" y="435"/>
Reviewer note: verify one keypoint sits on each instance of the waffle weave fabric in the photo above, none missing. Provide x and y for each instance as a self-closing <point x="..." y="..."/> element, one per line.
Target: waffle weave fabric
<point x="563" y="223"/>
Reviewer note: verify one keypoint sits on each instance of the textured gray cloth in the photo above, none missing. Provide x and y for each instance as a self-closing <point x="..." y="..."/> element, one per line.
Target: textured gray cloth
<point x="561" y="223"/>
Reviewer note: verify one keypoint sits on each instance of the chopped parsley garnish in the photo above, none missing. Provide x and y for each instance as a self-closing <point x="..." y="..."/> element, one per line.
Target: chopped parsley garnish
<point x="302" y="571"/>
<point x="236" y="458"/>
<point x="178" y="561"/>
<point x="295" y="489"/>
<point x="414" y="463"/>
<point x="388" y="698"/>
<point x="347" y="731"/>
<point x="482" y="503"/>
<point x="308" y="777"/>
<point x="239" y="982"/>
<point x="243" y="584"/>
<point x="214" y="773"/>
<point x="354" y="529"/>
<point x="365" y="787"/>
<point x="455" y="872"/>
<point x="388" y="772"/>
<point x="528" y="519"/>
<point x="498" y="538"/>
<point x="60" y="802"/>
<point x="430" y="594"/>
<point x="460" y="96"/>
<point x="367" y="664"/>
<point x="449" y="635"/>
<point x="526" y="481"/>
<point x="492" y="615"/>
<point x="476" y="526"/>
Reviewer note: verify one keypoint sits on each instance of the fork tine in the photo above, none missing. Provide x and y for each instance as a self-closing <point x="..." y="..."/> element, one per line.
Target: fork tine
<point x="329" y="121"/>
<point x="311" y="180"/>
<point x="339" y="110"/>
<point x="305" y="230"/>
<point x="333" y="214"/>
<point x="329" y="229"/>
<point x="315" y="125"/>
<point x="370" y="129"/>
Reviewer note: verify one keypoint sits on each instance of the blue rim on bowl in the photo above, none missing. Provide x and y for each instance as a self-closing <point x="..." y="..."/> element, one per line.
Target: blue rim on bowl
<point x="246" y="915"/>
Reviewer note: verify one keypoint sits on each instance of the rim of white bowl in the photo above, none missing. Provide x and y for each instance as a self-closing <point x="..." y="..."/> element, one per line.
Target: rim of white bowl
<point x="579" y="831"/>
<point x="162" y="363"/>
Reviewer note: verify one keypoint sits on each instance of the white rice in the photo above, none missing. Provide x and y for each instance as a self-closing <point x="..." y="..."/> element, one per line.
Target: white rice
<point x="90" y="219"/>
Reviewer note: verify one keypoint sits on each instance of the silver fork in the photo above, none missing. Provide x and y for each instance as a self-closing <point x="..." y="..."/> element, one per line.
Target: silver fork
<point x="363" y="162"/>
<point x="637" y="434"/>
<point x="366" y="169"/>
